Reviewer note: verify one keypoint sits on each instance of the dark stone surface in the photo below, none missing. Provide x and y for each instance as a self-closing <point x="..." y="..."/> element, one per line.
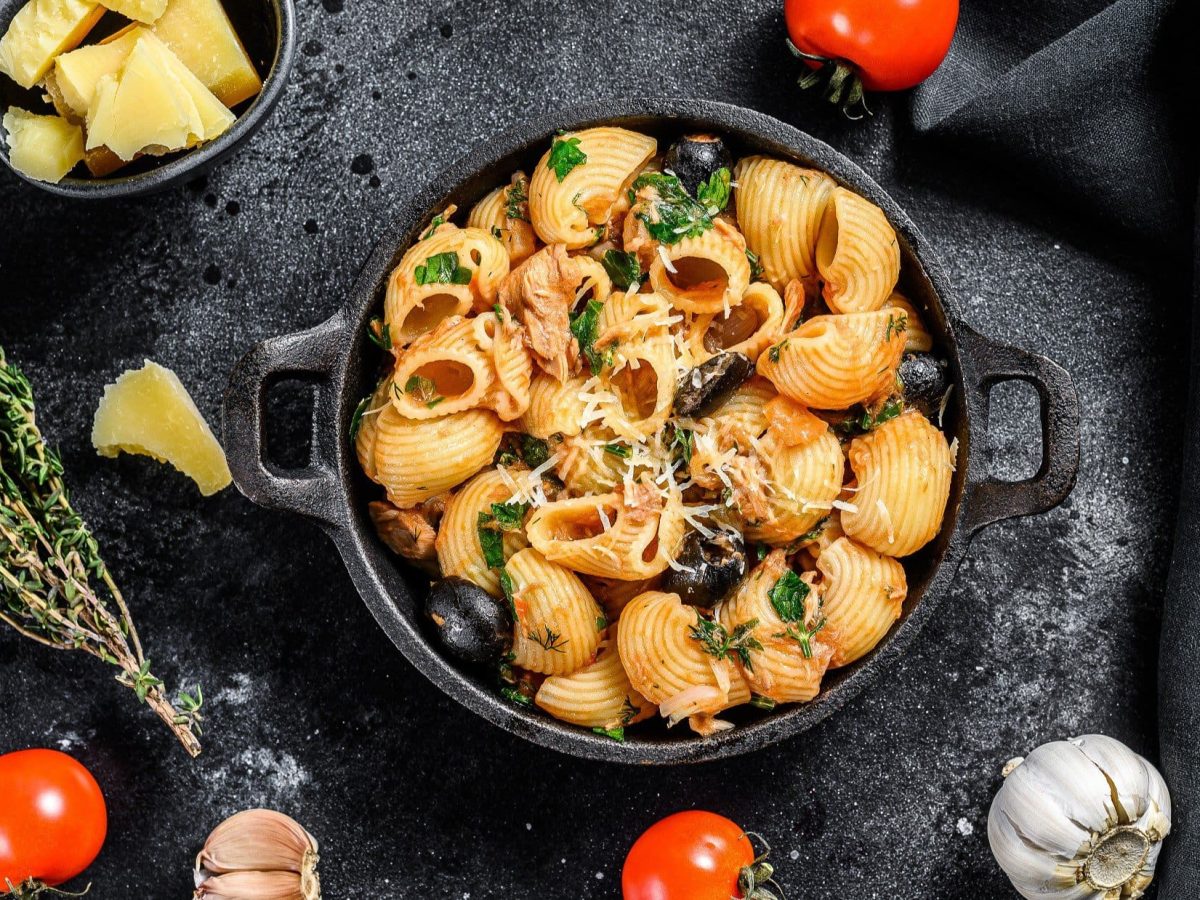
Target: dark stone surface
<point x="1050" y="628"/>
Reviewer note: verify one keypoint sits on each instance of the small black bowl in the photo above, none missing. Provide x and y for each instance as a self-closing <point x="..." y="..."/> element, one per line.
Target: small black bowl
<point x="268" y="30"/>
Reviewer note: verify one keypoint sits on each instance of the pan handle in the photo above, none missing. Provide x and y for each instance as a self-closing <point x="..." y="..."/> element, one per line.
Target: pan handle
<point x="313" y="491"/>
<point x="988" y="363"/>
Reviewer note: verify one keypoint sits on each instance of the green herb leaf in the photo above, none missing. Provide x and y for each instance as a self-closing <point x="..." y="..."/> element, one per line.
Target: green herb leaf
<point x="510" y="516"/>
<point x="509" y="589"/>
<point x="896" y="325"/>
<point x="617" y="733"/>
<point x="601" y="623"/>
<point x="565" y="155"/>
<point x="380" y="333"/>
<point x="514" y="198"/>
<point x="534" y="451"/>
<point x="787" y="596"/>
<point x="673" y="214"/>
<point x="717" y="642"/>
<point x="802" y="636"/>
<point x="491" y="540"/>
<point x="683" y="444"/>
<point x="756" y="269"/>
<point x="629" y="712"/>
<point x="809" y="536"/>
<point x="497" y="233"/>
<point x="437" y="220"/>
<point x="623" y="268"/>
<point x="773" y="353"/>
<point x="356" y="420"/>
<point x="512" y="695"/>
<point x="760" y="702"/>
<point x="423" y="390"/>
<point x="442" y="268"/>
<point x="714" y="193"/>
<point x="586" y="328"/>
<point x="550" y="640"/>
<point x="621" y="450"/>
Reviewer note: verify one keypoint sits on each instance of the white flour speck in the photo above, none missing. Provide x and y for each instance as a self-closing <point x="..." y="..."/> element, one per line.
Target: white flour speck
<point x="965" y="828"/>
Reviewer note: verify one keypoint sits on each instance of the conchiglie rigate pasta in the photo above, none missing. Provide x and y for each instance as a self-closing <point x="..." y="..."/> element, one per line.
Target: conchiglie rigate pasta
<point x="595" y="378"/>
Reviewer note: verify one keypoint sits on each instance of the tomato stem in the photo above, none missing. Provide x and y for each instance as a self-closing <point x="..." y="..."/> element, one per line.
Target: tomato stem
<point x="755" y="879"/>
<point x="30" y="888"/>
<point x="843" y="86"/>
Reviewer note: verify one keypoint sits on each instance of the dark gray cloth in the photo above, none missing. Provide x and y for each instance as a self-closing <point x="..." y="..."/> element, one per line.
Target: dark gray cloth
<point x="1082" y="104"/>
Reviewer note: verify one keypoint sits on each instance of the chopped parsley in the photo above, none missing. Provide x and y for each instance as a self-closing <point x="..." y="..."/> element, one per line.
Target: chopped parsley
<point x="811" y="535"/>
<point x="620" y="450"/>
<point x="551" y="641"/>
<point x="683" y="443"/>
<point x="508" y="589"/>
<point x="721" y="644"/>
<point x="565" y="155"/>
<point x="380" y="333"/>
<point x="356" y="420"/>
<point x="514" y="197"/>
<point x="756" y="269"/>
<point x="623" y="268"/>
<point x="714" y="193"/>
<point x="436" y="222"/>
<point x="534" y="451"/>
<point x="787" y="596"/>
<point x="896" y="326"/>
<point x="868" y="421"/>
<point x="442" y="268"/>
<point x="423" y="390"/>
<point x="761" y="551"/>
<point x="586" y="328"/>
<point x="510" y="516"/>
<point x="617" y="733"/>
<point x="513" y="695"/>
<point x="773" y="353"/>
<point x="491" y="540"/>
<point x="629" y="712"/>
<point x="675" y="214"/>
<point x="601" y="623"/>
<point x="802" y="636"/>
<point x="758" y="701"/>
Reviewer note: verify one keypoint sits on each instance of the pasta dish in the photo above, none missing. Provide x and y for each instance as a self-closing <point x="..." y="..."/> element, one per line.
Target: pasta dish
<point x="660" y="427"/>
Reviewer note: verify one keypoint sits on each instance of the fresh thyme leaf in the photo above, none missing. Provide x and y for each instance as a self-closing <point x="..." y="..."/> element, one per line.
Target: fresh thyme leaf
<point x="437" y="220"/>
<point x="802" y="636"/>
<point x="761" y="551"/>
<point x="719" y="643"/>
<point x="512" y="695"/>
<point x="601" y="623"/>
<point x="442" y="268"/>
<point x="773" y="353"/>
<point x="551" y="641"/>
<point x="714" y="193"/>
<point x="896" y="325"/>
<point x="623" y="268"/>
<point x="491" y="540"/>
<point x="673" y="214"/>
<point x="867" y="421"/>
<point x="565" y="155"/>
<point x="586" y="328"/>
<point x="811" y="535"/>
<point x="756" y="269"/>
<point x="620" y="450"/>
<point x="54" y="586"/>
<point x="423" y="390"/>
<point x="787" y="596"/>
<point x="629" y="712"/>
<point x="760" y="702"/>
<point x="534" y="451"/>
<point x="356" y="420"/>
<point x="617" y="733"/>
<point x="683" y="444"/>
<point x="380" y="333"/>
<point x="514" y="197"/>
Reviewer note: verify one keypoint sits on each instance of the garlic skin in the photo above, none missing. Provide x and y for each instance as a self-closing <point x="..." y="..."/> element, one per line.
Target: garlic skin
<point x="258" y="854"/>
<point x="1081" y="819"/>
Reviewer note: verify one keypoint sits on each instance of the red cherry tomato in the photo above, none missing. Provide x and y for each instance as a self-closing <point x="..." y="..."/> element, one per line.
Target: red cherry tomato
<point x="892" y="44"/>
<point x="692" y="856"/>
<point x="52" y="817"/>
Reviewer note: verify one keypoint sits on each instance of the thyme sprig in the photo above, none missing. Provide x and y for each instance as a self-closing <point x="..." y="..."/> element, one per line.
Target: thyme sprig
<point x="717" y="642"/>
<point x="54" y="587"/>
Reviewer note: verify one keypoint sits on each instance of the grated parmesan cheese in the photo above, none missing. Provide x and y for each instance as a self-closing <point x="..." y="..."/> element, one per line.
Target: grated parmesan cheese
<point x="943" y="404"/>
<point x="666" y="260"/>
<point x="887" y="518"/>
<point x="844" y="506"/>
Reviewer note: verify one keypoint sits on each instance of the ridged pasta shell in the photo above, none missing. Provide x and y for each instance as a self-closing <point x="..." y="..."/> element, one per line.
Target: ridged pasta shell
<point x="712" y="271"/>
<point x="903" y="469"/>
<point x="412" y="309"/>
<point x="917" y="338"/>
<point x="663" y="661"/>
<point x="402" y="462"/>
<point x="642" y="379"/>
<point x="803" y="480"/>
<point x="458" y="549"/>
<point x="779" y="209"/>
<point x="864" y="593"/>
<point x="558" y="625"/>
<point x="780" y="670"/>
<point x="751" y="326"/>
<point x="833" y="362"/>
<point x="614" y="594"/>
<point x="364" y="441"/>
<point x="569" y="211"/>
<point x="598" y="695"/>
<point x="644" y="530"/>
<point x="858" y="255"/>
<point x="517" y="235"/>
<point x="554" y="407"/>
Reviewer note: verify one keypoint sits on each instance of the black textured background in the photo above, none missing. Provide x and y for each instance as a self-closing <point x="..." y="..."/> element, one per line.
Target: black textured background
<point x="1050" y="628"/>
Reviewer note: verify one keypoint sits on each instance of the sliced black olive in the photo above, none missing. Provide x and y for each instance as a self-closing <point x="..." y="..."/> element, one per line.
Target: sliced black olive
<point x="924" y="378"/>
<point x="694" y="157"/>
<point x="706" y="387"/>
<point x="473" y="626"/>
<point x="713" y="566"/>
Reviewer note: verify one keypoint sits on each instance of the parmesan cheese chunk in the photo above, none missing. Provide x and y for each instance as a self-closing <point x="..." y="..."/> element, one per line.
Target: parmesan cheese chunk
<point x="150" y="413"/>
<point x="40" y="31"/>
<point x="42" y="147"/>
<point x="148" y="11"/>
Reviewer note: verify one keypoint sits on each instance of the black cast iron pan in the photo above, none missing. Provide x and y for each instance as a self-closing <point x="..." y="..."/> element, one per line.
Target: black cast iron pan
<point x="339" y="358"/>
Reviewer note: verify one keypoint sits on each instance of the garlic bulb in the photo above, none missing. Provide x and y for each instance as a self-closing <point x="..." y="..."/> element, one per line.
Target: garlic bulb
<point x="258" y="854"/>
<point x="1081" y="819"/>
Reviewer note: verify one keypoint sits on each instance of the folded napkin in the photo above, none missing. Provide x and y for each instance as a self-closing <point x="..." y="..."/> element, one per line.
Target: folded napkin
<point x="1085" y="102"/>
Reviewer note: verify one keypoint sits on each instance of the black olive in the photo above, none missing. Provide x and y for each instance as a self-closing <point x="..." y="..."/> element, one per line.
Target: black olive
<point x="923" y="377"/>
<point x="473" y="626"/>
<point x="694" y="157"/>
<point x="707" y="386"/>
<point x="714" y="566"/>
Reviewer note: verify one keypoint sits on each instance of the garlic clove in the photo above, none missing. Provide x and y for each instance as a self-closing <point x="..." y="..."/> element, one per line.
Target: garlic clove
<point x="257" y="839"/>
<point x="251" y="886"/>
<point x="1058" y="822"/>
<point x="1138" y="791"/>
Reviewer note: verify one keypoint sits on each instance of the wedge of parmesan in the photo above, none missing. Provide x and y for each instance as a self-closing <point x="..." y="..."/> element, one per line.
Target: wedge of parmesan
<point x="42" y="147"/>
<point x="73" y="81"/>
<point x="40" y="31"/>
<point x="149" y="412"/>
<point x="147" y="11"/>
